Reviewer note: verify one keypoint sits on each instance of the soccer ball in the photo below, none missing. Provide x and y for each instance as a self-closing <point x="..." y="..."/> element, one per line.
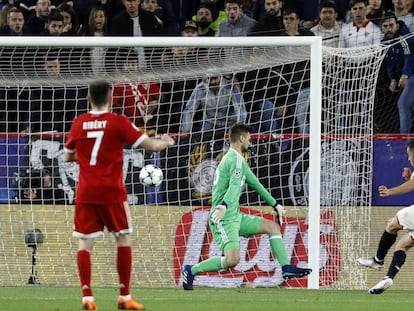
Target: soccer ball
<point x="151" y="176"/>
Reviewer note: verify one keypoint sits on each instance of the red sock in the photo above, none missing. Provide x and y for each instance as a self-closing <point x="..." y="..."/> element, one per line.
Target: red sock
<point x="124" y="266"/>
<point x="84" y="267"/>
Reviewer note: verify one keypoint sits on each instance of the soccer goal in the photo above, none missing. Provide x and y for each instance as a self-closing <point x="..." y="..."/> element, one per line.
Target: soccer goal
<point x="311" y="112"/>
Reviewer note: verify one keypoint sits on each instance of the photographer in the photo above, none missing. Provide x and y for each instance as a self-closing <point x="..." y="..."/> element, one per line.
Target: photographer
<point x="36" y="186"/>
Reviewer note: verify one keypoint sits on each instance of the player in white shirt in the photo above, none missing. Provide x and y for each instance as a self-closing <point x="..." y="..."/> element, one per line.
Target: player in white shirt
<point x="403" y="220"/>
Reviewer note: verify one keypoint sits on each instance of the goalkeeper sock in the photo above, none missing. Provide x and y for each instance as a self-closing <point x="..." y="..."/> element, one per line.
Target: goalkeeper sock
<point x="397" y="262"/>
<point x="387" y="240"/>
<point x="84" y="268"/>
<point x="124" y="267"/>
<point x="278" y="248"/>
<point x="210" y="265"/>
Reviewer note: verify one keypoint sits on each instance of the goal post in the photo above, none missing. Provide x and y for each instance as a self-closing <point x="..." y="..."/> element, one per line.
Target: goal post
<point x="316" y="161"/>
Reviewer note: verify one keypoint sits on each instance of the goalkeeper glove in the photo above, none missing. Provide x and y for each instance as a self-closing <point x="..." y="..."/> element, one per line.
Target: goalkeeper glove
<point x="219" y="212"/>
<point x="279" y="211"/>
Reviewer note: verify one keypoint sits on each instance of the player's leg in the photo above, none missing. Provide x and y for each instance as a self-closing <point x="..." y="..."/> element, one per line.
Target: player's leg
<point x="398" y="260"/>
<point x="226" y="235"/>
<point x="85" y="273"/>
<point x="124" y="267"/>
<point x="124" y="263"/>
<point x="388" y="238"/>
<point x="87" y="226"/>
<point x="278" y="249"/>
<point x="116" y="218"/>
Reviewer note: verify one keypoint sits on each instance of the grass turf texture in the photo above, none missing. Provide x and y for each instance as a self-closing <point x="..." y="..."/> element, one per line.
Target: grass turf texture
<point x="44" y="298"/>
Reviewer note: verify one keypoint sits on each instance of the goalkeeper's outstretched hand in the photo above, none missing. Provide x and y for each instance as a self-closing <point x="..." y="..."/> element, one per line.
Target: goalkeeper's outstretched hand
<point x="218" y="214"/>
<point x="279" y="211"/>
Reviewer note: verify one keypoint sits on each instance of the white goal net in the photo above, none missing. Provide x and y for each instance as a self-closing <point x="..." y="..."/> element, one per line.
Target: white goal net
<point x="193" y="89"/>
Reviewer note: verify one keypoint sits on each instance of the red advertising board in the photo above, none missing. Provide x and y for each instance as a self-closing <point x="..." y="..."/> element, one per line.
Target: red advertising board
<point x="193" y="242"/>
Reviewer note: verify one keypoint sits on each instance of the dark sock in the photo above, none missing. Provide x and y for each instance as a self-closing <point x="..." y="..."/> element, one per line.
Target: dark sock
<point x="396" y="263"/>
<point x="387" y="240"/>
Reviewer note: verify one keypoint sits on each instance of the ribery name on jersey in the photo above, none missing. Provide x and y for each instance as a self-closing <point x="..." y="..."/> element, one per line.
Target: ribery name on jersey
<point x="94" y="125"/>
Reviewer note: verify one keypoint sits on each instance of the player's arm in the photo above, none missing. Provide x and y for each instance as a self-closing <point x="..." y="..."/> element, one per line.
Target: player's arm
<point x="401" y="189"/>
<point x="157" y="144"/>
<point x="406" y="174"/>
<point x="254" y="183"/>
<point x="139" y="139"/>
<point x="70" y="156"/>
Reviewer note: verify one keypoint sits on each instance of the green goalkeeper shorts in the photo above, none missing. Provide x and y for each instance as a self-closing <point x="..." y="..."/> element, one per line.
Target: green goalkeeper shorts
<point x="227" y="233"/>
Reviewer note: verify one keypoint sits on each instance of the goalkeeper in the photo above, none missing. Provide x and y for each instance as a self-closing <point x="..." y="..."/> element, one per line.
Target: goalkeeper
<point x="226" y="221"/>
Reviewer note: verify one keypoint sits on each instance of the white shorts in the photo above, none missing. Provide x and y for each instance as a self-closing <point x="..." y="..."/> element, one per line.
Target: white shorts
<point x="405" y="218"/>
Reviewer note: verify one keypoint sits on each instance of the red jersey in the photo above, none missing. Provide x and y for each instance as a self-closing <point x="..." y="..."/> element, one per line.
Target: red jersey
<point x="98" y="139"/>
<point x="132" y="99"/>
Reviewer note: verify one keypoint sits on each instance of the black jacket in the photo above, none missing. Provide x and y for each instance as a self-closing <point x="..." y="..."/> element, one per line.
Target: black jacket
<point x="122" y="24"/>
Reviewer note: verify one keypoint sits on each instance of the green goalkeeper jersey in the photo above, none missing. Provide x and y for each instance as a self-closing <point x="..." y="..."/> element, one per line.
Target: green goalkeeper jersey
<point x="229" y="178"/>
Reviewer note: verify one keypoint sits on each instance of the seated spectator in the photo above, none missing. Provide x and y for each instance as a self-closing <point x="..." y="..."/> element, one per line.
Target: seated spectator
<point x="71" y="25"/>
<point x="39" y="187"/>
<point x="53" y="108"/>
<point x="97" y="26"/>
<point x="409" y="4"/>
<point x="291" y="22"/>
<point x="361" y="31"/>
<point x="402" y="12"/>
<point x="136" y="100"/>
<point x="300" y="72"/>
<point x="36" y="22"/>
<point x="97" y="22"/>
<point x="54" y="26"/>
<point x="217" y="15"/>
<point x="14" y="107"/>
<point x="3" y="15"/>
<point x="375" y="11"/>
<point x="220" y="103"/>
<point x="265" y="94"/>
<point x="247" y="6"/>
<point x="399" y="63"/>
<point x="177" y="91"/>
<point x="328" y="27"/>
<point x="16" y="56"/>
<point x="15" y="23"/>
<point x="84" y="7"/>
<point x="258" y="10"/>
<point x="307" y="10"/>
<point x="237" y="24"/>
<point x="271" y="22"/>
<point x="136" y="22"/>
<point x="164" y="12"/>
<point x="204" y="18"/>
<point x="175" y="57"/>
<point x="190" y="29"/>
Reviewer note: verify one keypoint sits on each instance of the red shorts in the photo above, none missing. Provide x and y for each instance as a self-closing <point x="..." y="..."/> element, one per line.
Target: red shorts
<point x="90" y="219"/>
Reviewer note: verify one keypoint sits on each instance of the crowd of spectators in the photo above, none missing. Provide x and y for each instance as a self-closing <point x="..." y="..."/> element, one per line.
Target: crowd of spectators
<point x="341" y="23"/>
<point x="270" y="99"/>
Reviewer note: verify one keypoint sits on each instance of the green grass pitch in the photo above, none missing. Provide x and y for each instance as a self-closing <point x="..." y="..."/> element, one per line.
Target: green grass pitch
<point x="48" y="298"/>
